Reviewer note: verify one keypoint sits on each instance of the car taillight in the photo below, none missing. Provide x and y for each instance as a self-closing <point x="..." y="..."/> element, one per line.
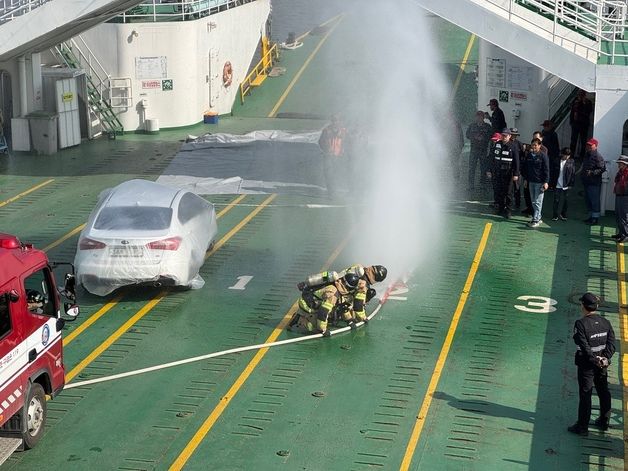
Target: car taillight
<point x="91" y="244"/>
<point x="171" y="243"/>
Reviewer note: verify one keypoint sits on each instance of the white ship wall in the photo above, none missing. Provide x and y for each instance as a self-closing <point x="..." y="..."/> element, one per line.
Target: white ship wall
<point x="180" y="52"/>
<point x="525" y="87"/>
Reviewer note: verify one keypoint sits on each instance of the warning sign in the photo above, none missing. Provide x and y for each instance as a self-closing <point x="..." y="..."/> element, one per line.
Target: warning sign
<point x="148" y="84"/>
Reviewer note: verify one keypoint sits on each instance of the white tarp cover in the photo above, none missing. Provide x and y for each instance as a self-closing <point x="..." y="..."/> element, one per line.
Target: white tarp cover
<point x="144" y="232"/>
<point x="258" y="162"/>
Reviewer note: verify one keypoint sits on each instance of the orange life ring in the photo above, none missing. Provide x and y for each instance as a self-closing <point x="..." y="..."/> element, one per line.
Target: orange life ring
<point x="227" y="74"/>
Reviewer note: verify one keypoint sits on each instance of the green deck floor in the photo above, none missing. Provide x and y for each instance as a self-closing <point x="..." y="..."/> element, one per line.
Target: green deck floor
<point x="507" y="390"/>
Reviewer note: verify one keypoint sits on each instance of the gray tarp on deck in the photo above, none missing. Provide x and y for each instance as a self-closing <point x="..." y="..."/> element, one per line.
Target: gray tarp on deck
<point x="258" y="162"/>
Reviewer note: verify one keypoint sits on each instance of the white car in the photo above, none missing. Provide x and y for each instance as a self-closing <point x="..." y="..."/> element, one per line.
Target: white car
<point x="144" y="232"/>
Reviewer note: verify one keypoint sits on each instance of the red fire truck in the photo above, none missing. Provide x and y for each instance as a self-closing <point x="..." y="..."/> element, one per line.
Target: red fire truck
<point x="31" y="349"/>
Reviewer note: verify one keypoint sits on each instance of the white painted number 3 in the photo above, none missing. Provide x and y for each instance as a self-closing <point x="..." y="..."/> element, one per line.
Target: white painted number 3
<point x="537" y="304"/>
<point x="242" y="282"/>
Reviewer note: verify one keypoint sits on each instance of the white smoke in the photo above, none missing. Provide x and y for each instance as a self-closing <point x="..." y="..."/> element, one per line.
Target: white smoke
<point x="393" y="89"/>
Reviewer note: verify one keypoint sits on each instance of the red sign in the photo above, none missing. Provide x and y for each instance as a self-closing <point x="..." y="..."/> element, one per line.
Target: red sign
<point x="151" y="83"/>
<point x="519" y="96"/>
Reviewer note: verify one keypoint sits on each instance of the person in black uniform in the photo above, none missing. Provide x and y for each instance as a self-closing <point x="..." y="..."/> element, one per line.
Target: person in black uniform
<point x="595" y="339"/>
<point x="504" y="172"/>
<point x="498" y="120"/>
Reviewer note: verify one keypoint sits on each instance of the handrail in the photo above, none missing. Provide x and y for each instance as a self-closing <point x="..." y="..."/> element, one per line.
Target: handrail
<point x="175" y="10"/>
<point x="262" y="68"/>
<point x="602" y="22"/>
<point x="11" y="9"/>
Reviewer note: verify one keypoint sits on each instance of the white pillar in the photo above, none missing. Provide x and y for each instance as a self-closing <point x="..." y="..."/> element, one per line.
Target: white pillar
<point x="611" y="112"/>
<point x="38" y="102"/>
<point x="22" y="84"/>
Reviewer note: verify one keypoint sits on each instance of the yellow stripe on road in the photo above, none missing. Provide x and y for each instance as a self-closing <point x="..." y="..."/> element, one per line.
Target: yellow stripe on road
<point x="442" y="357"/>
<point x="465" y="58"/>
<point x="89" y="321"/>
<point x="283" y="97"/>
<point x="623" y="325"/>
<point x="74" y="231"/>
<point x="24" y="193"/>
<point x="184" y="456"/>
<point x="153" y="302"/>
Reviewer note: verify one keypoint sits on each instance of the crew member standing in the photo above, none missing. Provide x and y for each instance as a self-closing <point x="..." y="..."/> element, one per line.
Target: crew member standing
<point x="504" y="172"/>
<point x="478" y="133"/>
<point x="621" y="200"/>
<point x="332" y="144"/>
<point x="498" y="120"/>
<point x="595" y="339"/>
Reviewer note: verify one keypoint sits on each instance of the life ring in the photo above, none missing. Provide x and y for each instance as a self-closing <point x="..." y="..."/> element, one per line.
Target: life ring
<point x="227" y="74"/>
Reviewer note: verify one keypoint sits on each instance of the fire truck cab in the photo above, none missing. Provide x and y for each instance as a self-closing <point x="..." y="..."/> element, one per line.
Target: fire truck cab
<point x="31" y="349"/>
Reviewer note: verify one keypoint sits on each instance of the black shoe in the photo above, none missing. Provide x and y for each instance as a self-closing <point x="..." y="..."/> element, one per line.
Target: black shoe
<point x="578" y="430"/>
<point x="621" y="240"/>
<point x="327" y="333"/>
<point x="616" y="236"/>
<point x="562" y="218"/>
<point x="555" y="218"/>
<point x="602" y="423"/>
<point x="592" y="222"/>
<point x="352" y="325"/>
<point x="507" y="214"/>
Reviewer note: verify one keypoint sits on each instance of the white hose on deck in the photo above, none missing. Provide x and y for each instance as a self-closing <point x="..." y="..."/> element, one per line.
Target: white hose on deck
<point x="224" y="352"/>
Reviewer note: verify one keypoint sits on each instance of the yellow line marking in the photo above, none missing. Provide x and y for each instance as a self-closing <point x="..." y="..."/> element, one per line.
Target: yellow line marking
<point x="623" y="325"/>
<point x="24" y="193"/>
<point x="442" y="357"/>
<point x="184" y="456"/>
<point x="153" y="302"/>
<point x="113" y="337"/>
<point x="462" y="66"/>
<point x="331" y="20"/>
<point x="282" y="98"/>
<point x="90" y="320"/>
<point x="74" y="231"/>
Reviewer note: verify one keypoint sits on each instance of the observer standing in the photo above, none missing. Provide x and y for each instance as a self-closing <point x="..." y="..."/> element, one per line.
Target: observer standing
<point x="595" y="342"/>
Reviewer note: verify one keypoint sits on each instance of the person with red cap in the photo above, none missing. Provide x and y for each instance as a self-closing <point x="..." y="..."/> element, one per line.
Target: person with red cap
<point x="504" y="173"/>
<point x="621" y="200"/>
<point x="593" y="167"/>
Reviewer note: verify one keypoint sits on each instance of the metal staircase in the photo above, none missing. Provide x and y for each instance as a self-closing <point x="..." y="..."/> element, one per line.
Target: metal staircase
<point x="105" y="94"/>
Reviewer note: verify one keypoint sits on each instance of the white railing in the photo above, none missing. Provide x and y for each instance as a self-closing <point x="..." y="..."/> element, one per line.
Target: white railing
<point x="10" y="9"/>
<point x="603" y="22"/>
<point x="176" y="10"/>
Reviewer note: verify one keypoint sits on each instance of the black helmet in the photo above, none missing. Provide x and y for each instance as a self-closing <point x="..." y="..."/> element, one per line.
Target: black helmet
<point x="351" y="280"/>
<point x="33" y="296"/>
<point x="380" y="272"/>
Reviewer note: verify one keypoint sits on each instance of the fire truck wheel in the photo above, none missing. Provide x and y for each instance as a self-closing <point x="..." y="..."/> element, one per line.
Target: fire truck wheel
<point x="35" y="415"/>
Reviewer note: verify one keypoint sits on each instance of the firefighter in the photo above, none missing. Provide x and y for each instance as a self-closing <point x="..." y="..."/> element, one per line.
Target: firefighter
<point x="35" y="301"/>
<point x="319" y="303"/>
<point x="363" y="292"/>
<point x="504" y="172"/>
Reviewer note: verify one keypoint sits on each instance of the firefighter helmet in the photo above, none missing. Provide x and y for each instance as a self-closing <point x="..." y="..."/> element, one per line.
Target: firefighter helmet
<point x="351" y="280"/>
<point x="380" y="272"/>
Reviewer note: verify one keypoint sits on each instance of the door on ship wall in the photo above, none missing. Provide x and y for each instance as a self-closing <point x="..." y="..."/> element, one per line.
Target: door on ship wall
<point x="213" y="77"/>
<point x="6" y="102"/>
